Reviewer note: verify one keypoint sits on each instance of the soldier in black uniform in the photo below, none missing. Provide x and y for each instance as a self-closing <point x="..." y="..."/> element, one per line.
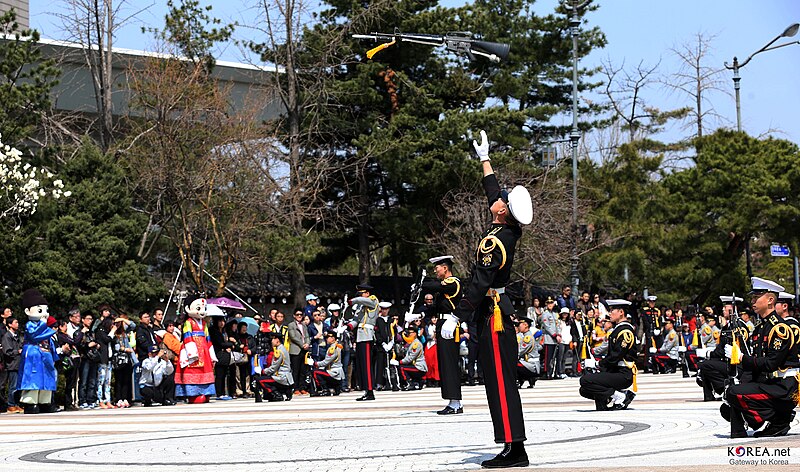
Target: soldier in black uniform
<point x="769" y="391"/>
<point x="447" y="294"/>
<point x="653" y="324"/>
<point x="618" y="369"/>
<point x="714" y="371"/>
<point x="486" y="302"/>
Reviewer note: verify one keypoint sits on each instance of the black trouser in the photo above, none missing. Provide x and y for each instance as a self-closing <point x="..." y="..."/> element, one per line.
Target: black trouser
<point x="449" y="362"/>
<point x="71" y="383"/>
<point x="221" y="379"/>
<point x="381" y="361"/>
<point x="498" y="358"/>
<point x="664" y="363"/>
<point x="409" y="373"/>
<point x="123" y="384"/>
<point x="601" y="385"/>
<point x="712" y="376"/>
<point x="365" y="373"/>
<point x="270" y="388"/>
<point x="160" y="394"/>
<point x="324" y="380"/>
<point x="757" y="402"/>
<point x="549" y="364"/>
<point x="87" y="386"/>
<point x="3" y="389"/>
<point x="298" y="365"/>
<point x="523" y="374"/>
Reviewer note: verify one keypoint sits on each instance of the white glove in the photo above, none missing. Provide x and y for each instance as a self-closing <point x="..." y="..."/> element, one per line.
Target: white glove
<point x="391" y="345"/>
<point x="656" y="332"/>
<point x="394" y="362"/>
<point x="729" y="352"/>
<point x="653" y="350"/>
<point x="590" y="363"/>
<point x="310" y="361"/>
<point x="482" y="149"/>
<point x="448" y="328"/>
<point x="413" y="317"/>
<point x="681" y="348"/>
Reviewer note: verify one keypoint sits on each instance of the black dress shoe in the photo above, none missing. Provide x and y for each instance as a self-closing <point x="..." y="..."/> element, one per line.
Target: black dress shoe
<point x="738" y="434"/>
<point x="773" y="430"/>
<point x="725" y="411"/>
<point x="367" y="396"/>
<point x="448" y="410"/>
<point x="629" y="396"/>
<point x="512" y="455"/>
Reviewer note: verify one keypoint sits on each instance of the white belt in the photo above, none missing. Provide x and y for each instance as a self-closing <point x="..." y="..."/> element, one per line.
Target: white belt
<point x="367" y="326"/>
<point x="449" y="316"/>
<point x="782" y="374"/>
<point x="498" y="291"/>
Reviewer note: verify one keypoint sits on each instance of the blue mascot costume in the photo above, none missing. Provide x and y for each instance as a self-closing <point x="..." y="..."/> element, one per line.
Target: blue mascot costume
<point x="37" y="371"/>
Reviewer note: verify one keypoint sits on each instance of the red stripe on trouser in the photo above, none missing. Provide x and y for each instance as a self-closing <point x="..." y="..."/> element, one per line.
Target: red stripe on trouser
<point x="752" y="396"/>
<point x="369" y="366"/>
<point x="501" y="386"/>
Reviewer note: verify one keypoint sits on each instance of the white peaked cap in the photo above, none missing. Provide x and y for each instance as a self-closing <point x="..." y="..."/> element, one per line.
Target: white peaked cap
<point x="764" y="285"/>
<point x="617" y="302"/>
<point x="520" y="205"/>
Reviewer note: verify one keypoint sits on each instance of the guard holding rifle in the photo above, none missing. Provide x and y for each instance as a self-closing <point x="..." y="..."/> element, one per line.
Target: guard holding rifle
<point x="713" y="372"/>
<point x="364" y="324"/>
<point x="653" y="324"/>
<point x="486" y="302"/>
<point x="608" y="388"/>
<point x="447" y="294"/>
<point x="770" y="374"/>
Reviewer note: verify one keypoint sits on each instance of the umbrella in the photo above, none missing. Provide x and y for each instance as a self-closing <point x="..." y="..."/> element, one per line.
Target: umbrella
<point x="224" y="302"/>
<point x="214" y="310"/>
<point x="252" y="325"/>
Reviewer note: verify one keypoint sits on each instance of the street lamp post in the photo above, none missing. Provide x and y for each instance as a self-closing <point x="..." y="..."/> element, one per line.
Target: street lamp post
<point x="574" y="137"/>
<point x="787" y="33"/>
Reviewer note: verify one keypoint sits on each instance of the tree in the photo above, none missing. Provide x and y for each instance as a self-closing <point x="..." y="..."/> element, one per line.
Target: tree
<point x="200" y="171"/>
<point x="187" y="28"/>
<point x="695" y="80"/>
<point x="403" y="120"/>
<point x="93" y="24"/>
<point x="81" y="250"/>
<point x="26" y="79"/>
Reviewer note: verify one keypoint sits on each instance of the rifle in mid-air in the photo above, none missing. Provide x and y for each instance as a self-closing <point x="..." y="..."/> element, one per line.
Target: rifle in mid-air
<point x="457" y="42"/>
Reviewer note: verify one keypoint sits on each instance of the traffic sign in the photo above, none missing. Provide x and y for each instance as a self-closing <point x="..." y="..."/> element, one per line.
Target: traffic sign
<point x="776" y="250"/>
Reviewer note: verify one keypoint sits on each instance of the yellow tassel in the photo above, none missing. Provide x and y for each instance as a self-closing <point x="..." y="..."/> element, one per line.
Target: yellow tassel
<point x="635" y="371"/>
<point x="379" y="48"/>
<point x="735" y="353"/>
<point x="695" y="339"/>
<point x="796" y="395"/>
<point x="583" y="350"/>
<point x="498" y="320"/>
<point x="457" y="334"/>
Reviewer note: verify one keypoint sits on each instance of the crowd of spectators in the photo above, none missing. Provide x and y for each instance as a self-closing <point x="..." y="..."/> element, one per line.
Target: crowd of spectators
<point x="111" y="361"/>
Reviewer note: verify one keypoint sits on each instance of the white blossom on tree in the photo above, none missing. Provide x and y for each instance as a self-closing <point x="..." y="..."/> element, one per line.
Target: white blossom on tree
<point x="23" y="185"/>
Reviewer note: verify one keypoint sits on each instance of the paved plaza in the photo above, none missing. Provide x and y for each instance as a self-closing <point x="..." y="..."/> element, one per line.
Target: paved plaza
<point x="668" y="426"/>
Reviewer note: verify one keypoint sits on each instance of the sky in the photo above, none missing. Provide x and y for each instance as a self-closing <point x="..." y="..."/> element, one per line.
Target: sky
<point x="636" y="30"/>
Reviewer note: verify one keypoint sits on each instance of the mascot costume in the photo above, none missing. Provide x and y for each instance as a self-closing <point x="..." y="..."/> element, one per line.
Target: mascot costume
<point x="37" y="370"/>
<point x="194" y="378"/>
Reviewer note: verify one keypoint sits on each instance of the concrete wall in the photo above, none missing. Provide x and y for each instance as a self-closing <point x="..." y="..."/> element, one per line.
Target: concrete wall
<point x="75" y="91"/>
<point x="22" y="9"/>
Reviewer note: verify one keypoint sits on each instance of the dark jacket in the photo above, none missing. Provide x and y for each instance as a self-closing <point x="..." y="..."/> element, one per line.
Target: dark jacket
<point x="12" y="343"/>
<point x="219" y="339"/>
<point x="145" y="337"/>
